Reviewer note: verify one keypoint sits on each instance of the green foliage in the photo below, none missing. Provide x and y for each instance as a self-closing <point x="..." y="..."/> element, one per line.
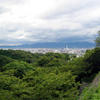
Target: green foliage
<point x="93" y="58"/>
<point x="7" y="95"/>
<point x="87" y="66"/>
<point x="20" y="68"/>
<point x="53" y="60"/>
<point x="18" y="65"/>
<point x="50" y="62"/>
<point x="78" y="67"/>
<point x="93" y="91"/>
<point x="7" y="81"/>
<point x="39" y="85"/>
<point x="51" y="76"/>
<point x="20" y="80"/>
<point x="4" y="60"/>
<point x="20" y="55"/>
<point x="52" y="86"/>
<point x="98" y="40"/>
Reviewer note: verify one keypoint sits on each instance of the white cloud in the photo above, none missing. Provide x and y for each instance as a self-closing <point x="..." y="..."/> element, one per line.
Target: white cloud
<point x="49" y="20"/>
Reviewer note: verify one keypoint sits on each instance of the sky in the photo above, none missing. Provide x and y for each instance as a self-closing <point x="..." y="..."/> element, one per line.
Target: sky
<point x="31" y="21"/>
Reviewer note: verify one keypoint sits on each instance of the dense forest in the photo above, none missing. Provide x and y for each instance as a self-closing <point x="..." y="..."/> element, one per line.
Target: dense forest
<point x="50" y="76"/>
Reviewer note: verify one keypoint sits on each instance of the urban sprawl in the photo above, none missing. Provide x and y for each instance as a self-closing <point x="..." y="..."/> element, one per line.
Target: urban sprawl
<point x="77" y="51"/>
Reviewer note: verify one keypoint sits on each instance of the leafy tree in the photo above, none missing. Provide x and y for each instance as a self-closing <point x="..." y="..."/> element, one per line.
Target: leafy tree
<point x="43" y="61"/>
<point x="53" y="60"/>
<point x="20" y="68"/>
<point x="52" y="86"/>
<point x="98" y="40"/>
<point x="4" y="60"/>
<point x="93" y="58"/>
<point x="20" y="55"/>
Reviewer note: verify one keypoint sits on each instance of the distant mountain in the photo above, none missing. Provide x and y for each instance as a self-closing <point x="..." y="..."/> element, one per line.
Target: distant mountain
<point x="54" y="45"/>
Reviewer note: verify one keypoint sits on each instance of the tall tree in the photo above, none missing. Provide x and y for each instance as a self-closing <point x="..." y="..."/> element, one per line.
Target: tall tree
<point x="98" y="40"/>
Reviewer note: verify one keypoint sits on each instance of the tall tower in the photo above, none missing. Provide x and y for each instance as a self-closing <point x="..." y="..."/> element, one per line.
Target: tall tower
<point x="66" y="46"/>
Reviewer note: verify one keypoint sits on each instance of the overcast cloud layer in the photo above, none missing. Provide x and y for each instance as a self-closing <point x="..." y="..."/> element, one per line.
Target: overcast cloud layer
<point x="24" y="21"/>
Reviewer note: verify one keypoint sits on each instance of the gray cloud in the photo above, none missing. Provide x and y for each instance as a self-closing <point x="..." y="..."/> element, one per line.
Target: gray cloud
<point x="3" y="10"/>
<point x="24" y="21"/>
<point x="12" y="1"/>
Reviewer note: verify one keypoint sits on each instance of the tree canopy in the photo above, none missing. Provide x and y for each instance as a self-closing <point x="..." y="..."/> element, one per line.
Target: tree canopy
<point x="51" y="76"/>
<point x="98" y="40"/>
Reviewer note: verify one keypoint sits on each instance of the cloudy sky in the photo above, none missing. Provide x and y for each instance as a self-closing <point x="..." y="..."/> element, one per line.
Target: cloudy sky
<point x="23" y="21"/>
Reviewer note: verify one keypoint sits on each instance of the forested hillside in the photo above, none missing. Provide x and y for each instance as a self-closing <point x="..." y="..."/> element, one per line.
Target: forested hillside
<point x="51" y="76"/>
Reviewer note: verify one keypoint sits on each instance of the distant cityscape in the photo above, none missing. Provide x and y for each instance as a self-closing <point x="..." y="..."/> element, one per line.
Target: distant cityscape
<point x="76" y="51"/>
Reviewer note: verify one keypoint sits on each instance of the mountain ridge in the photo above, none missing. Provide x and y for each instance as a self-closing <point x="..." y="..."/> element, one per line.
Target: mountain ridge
<point x="54" y="45"/>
